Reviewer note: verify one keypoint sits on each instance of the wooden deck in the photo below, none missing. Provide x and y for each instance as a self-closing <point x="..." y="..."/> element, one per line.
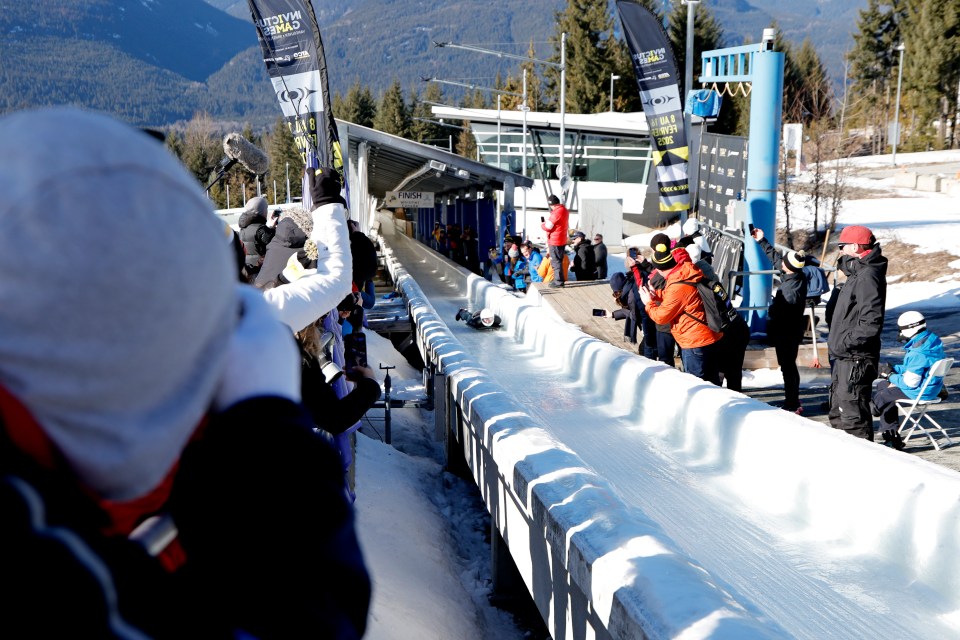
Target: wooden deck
<point x="575" y="302"/>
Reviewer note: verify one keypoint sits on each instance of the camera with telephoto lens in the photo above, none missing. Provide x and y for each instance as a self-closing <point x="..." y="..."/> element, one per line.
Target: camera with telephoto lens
<point x="328" y="367"/>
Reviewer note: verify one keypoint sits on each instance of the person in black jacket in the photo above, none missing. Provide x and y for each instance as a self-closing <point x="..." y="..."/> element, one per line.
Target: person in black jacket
<point x="254" y="217"/>
<point x="600" y="256"/>
<point x="288" y="240"/>
<point x="629" y="308"/>
<point x="855" y="325"/>
<point x="329" y="412"/>
<point x="584" y="262"/>
<point x="785" y="321"/>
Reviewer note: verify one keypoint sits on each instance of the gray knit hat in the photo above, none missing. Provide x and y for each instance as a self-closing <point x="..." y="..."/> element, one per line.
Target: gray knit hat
<point x="117" y="295"/>
<point x="257" y="205"/>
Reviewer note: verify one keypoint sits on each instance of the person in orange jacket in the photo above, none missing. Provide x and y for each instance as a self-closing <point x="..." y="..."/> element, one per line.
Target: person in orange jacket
<point x="546" y="269"/>
<point x="679" y="304"/>
<point x="556" y="227"/>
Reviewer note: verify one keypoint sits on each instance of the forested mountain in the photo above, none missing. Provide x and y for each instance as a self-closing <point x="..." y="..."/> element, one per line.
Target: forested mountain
<point x="156" y="62"/>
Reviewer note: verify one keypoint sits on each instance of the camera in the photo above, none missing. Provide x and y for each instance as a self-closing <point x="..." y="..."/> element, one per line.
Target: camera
<point x="331" y="372"/>
<point x="276" y="214"/>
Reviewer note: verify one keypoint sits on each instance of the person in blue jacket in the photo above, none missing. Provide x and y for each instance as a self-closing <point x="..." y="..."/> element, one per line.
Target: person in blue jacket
<point x="532" y="255"/>
<point x="515" y="269"/>
<point x="905" y="380"/>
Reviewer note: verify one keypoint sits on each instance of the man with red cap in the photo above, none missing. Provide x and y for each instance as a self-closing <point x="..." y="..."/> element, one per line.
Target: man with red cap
<point x="855" y="325"/>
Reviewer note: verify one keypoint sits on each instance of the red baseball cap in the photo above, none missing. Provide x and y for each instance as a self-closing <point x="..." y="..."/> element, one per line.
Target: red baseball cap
<point x="856" y="234"/>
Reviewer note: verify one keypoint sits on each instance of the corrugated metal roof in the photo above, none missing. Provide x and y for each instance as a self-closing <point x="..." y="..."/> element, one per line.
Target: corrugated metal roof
<point x="396" y="164"/>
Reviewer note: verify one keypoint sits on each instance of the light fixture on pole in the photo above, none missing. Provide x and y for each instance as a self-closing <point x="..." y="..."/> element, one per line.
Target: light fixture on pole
<point x="612" y="78"/>
<point x="896" y="112"/>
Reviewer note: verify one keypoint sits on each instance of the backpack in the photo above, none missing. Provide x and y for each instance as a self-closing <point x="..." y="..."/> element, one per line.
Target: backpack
<point x="816" y="282"/>
<point x="720" y="313"/>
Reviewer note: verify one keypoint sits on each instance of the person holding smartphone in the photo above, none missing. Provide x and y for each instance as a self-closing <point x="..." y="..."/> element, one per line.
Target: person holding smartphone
<point x="556" y="227"/>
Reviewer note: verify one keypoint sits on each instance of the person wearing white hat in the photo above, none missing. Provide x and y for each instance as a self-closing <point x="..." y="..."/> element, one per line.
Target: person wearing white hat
<point x="785" y="320"/>
<point x="922" y="349"/>
<point x="134" y="435"/>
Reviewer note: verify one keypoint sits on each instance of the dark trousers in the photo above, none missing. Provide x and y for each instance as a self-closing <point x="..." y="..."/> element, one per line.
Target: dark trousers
<point x="556" y="262"/>
<point x="666" y="347"/>
<point x="649" y="328"/>
<point x="733" y="348"/>
<point x="702" y="362"/>
<point x="787" y="359"/>
<point x="885" y="396"/>
<point x="850" y="388"/>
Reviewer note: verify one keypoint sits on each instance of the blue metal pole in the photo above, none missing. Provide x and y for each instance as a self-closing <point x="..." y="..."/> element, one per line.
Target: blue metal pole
<point x="763" y="160"/>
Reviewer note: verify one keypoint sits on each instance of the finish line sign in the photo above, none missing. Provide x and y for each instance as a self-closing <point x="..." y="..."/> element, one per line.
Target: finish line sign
<point x="409" y="199"/>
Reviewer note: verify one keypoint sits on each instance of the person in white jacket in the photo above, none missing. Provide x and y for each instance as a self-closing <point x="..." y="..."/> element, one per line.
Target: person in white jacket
<point x="300" y="303"/>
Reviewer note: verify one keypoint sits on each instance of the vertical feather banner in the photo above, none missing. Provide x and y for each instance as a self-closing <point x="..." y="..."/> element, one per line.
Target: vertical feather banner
<point x="293" y="53"/>
<point x="658" y="81"/>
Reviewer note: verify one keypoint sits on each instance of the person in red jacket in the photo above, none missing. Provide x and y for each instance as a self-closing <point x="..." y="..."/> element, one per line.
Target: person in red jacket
<point x="556" y="227"/>
<point x="679" y="304"/>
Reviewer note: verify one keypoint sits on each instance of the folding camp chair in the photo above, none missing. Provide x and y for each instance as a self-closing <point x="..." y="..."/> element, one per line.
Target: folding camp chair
<point x="908" y="407"/>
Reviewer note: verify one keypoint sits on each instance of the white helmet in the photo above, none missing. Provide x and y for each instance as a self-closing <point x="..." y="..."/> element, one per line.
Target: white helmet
<point x="486" y="317"/>
<point x="911" y="323"/>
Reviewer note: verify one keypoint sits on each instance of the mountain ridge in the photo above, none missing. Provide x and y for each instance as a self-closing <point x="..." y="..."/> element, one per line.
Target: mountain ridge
<point x="157" y="62"/>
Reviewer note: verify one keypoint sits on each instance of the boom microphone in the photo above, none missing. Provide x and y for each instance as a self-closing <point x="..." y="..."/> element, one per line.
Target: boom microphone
<point x="241" y="150"/>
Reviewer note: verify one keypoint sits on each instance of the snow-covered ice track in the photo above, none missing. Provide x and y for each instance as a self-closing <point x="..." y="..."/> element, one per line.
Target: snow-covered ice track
<point x="680" y="509"/>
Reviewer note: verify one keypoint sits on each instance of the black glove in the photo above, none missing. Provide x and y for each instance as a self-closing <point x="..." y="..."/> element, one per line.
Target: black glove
<point x="325" y="186"/>
<point x="884" y="370"/>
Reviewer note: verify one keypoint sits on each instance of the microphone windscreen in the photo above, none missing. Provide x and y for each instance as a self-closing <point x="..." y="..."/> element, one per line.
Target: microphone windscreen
<point x="243" y="151"/>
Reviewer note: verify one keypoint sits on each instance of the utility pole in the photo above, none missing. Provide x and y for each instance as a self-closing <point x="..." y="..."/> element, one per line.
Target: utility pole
<point x="896" y="114"/>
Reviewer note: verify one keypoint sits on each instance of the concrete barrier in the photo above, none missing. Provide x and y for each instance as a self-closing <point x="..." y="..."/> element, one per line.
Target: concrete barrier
<point x="905" y="179"/>
<point x="951" y="187"/>
<point x="929" y="182"/>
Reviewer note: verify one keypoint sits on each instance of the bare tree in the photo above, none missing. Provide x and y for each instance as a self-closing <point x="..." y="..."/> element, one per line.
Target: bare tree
<point x="787" y="192"/>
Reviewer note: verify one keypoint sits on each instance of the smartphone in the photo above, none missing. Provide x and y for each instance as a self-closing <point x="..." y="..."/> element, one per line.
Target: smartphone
<point x="600" y="313"/>
<point x="355" y="349"/>
<point x="632" y="252"/>
<point x="542" y="219"/>
<point x="751" y="227"/>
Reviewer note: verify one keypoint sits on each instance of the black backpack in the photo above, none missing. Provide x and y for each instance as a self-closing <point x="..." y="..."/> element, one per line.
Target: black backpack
<point x="720" y="313"/>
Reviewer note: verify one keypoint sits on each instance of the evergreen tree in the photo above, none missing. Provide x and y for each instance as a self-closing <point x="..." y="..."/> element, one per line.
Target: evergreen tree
<point x="466" y="144"/>
<point x="514" y="84"/>
<point x="931" y="61"/>
<point x="422" y="128"/>
<point x="815" y="93"/>
<point x="392" y="114"/>
<point x="707" y="36"/>
<point x="590" y="48"/>
<point x="873" y="61"/>
<point x="283" y="153"/>
<point x="357" y="106"/>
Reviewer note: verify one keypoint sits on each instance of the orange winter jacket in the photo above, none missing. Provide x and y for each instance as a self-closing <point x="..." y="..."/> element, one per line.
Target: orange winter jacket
<point x="677" y="302"/>
<point x="546" y="269"/>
